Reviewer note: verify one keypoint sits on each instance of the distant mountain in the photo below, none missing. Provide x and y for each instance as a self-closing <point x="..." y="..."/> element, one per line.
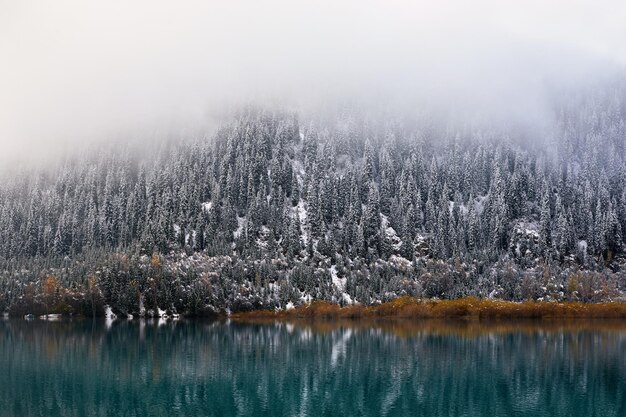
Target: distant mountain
<point x="272" y="210"/>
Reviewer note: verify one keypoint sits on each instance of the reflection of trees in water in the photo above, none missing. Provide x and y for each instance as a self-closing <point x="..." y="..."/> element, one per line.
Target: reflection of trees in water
<point x="203" y="368"/>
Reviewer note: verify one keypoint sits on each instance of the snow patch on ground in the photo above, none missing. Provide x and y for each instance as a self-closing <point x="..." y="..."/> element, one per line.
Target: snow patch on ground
<point x="399" y="262"/>
<point x="241" y="223"/>
<point x="302" y="216"/>
<point x="207" y="206"/>
<point x="298" y="169"/>
<point x="384" y="220"/>
<point x="394" y="239"/>
<point x="289" y="306"/>
<point x="50" y="317"/>
<point x="109" y="314"/>
<point x="479" y="203"/>
<point x="109" y="317"/>
<point x="339" y="283"/>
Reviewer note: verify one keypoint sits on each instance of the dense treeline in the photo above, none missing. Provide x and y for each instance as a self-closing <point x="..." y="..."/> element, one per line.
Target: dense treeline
<point x="273" y="210"/>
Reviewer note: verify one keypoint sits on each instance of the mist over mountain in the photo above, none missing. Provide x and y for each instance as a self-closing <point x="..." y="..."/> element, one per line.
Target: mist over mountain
<point x="77" y="72"/>
<point x="201" y="158"/>
<point x="274" y="210"/>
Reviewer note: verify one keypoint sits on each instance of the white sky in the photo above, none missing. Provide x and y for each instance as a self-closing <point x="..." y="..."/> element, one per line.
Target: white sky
<point x="74" y="71"/>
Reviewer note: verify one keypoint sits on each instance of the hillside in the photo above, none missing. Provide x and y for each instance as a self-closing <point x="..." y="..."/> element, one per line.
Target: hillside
<point x="274" y="211"/>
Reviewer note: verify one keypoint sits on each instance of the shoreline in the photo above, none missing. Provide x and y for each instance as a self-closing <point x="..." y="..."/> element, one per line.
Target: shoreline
<point x="469" y="308"/>
<point x="463" y="308"/>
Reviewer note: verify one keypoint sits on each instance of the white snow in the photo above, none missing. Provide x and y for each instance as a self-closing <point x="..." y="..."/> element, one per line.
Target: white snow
<point x="390" y="233"/>
<point x="393" y="237"/>
<point x="527" y="229"/>
<point x="399" y="262"/>
<point x="109" y="317"/>
<point x="108" y="313"/>
<point x="479" y="203"/>
<point x="532" y="233"/>
<point x="241" y="223"/>
<point x="302" y="216"/>
<point x="207" y="206"/>
<point x="298" y="168"/>
<point x="339" y="283"/>
<point x="264" y="233"/>
<point x="289" y="306"/>
<point x="50" y="317"/>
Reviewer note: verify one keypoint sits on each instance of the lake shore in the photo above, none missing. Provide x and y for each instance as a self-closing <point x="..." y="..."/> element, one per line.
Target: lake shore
<point x="401" y="308"/>
<point x="469" y="308"/>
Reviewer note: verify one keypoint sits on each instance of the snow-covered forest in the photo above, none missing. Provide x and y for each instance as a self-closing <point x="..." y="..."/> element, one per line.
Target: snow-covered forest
<point x="276" y="209"/>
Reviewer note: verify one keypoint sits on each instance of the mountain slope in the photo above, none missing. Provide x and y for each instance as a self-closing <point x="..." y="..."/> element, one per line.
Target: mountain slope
<point x="271" y="211"/>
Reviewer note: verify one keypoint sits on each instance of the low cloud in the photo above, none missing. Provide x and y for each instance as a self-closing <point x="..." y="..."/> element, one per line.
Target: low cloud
<point x="76" y="72"/>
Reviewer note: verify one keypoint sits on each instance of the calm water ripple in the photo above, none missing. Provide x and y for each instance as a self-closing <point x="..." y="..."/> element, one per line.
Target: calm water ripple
<point x="85" y="368"/>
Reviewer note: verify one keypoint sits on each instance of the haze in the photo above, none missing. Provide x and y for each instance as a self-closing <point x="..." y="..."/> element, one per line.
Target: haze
<point x="76" y="72"/>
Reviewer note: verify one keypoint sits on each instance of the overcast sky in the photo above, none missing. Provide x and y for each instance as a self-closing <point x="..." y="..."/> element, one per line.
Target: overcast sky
<point x="75" y="71"/>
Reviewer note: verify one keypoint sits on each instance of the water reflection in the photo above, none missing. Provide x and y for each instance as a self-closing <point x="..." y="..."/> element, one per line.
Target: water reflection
<point x="320" y="368"/>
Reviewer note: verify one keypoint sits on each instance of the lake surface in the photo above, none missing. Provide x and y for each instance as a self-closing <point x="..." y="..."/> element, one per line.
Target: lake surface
<point x="189" y="368"/>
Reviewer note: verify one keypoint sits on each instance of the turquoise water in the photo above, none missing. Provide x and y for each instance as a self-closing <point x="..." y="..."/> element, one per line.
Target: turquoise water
<point x="86" y="368"/>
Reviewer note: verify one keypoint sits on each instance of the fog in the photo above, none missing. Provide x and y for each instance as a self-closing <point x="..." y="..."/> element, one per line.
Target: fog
<point x="75" y="71"/>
